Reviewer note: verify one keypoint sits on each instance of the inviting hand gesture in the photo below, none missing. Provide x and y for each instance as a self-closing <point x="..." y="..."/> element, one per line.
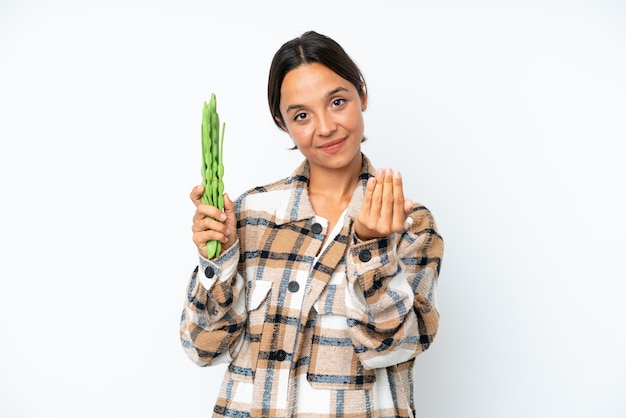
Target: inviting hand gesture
<point x="384" y="208"/>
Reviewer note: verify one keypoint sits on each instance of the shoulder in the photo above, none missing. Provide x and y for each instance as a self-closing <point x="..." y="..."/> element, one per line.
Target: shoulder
<point x="277" y="186"/>
<point x="282" y="200"/>
<point x="297" y="180"/>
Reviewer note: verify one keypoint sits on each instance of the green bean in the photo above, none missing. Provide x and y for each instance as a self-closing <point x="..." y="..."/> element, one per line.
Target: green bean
<point x="212" y="164"/>
<point x="206" y="158"/>
<point x="211" y="249"/>
<point x="215" y="129"/>
<point x="220" y="166"/>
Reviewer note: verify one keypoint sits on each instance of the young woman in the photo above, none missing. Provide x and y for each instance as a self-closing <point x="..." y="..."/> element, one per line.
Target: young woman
<point x="324" y="292"/>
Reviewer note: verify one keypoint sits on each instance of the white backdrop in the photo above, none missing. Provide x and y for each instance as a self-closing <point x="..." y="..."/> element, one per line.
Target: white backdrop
<point x="506" y="119"/>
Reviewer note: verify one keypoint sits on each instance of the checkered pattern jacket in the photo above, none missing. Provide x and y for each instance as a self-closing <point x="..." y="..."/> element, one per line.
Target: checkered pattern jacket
<point x="310" y="330"/>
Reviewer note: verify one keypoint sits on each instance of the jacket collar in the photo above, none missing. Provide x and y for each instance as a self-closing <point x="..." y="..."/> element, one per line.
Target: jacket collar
<point x="300" y="206"/>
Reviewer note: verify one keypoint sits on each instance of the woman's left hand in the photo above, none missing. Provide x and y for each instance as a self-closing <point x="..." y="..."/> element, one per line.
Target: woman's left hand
<point x="384" y="208"/>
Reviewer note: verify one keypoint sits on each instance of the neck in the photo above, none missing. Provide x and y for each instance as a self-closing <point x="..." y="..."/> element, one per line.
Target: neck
<point x="335" y="184"/>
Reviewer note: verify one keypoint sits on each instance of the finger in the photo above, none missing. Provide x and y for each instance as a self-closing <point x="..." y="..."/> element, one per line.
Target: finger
<point x="230" y="217"/>
<point x="209" y="229"/>
<point x="229" y="207"/>
<point x="202" y="248"/>
<point x="387" y="202"/>
<point x="377" y="194"/>
<point x="209" y="235"/>
<point x="399" y="214"/>
<point x="204" y="211"/>
<point x="205" y="224"/>
<point x="196" y="195"/>
<point x="408" y="207"/>
<point x="369" y="191"/>
<point x="201" y="238"/>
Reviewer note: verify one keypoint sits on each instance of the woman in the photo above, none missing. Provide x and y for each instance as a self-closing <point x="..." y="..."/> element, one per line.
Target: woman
<point x="324" y="292"/>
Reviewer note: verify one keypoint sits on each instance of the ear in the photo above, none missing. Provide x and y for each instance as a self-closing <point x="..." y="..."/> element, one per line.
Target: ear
<point x="280" y="123"/>
<point x="363" y="97"/>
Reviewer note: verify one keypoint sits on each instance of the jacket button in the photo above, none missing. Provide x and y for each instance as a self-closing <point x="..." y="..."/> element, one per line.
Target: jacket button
<point x="209" y="272"/>
<point x="281" y="355"/>
<point x="316" y="228"/>
<point x="293" y="286"/>
<point x="365" y="256"/>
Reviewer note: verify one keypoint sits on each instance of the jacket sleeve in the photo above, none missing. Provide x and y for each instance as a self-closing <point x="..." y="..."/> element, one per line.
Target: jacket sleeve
<point x="214" y="311"/>
<point x="392" y="315"/>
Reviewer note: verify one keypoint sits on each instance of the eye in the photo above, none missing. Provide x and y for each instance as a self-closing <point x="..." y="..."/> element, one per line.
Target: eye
<point x="300" y="116"/>
<point x="338" y="102"/>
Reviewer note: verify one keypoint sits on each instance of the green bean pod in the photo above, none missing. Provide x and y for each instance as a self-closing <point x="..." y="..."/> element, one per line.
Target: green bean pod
<point x="205" y="151"/>
<point x="212" y="164"/>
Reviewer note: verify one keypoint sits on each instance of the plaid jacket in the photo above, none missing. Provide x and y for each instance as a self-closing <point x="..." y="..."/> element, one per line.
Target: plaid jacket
<point x="310" y="331"/>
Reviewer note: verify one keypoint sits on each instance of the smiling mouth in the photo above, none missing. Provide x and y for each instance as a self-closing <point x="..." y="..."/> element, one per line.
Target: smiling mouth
<point x="332" y="143"/>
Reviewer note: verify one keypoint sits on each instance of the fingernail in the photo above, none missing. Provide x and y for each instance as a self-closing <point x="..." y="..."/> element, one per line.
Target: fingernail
<point x="222" y="216"/>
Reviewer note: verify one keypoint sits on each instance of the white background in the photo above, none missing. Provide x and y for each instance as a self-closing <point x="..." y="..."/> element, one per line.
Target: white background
<point x="506" y="119"/>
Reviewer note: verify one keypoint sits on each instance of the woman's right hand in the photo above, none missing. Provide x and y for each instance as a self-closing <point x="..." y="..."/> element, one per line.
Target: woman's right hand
<point x="210" y="223"/>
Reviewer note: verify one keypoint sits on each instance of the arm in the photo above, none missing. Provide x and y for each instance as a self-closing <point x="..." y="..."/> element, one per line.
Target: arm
<point x="392" y="314"/>
<point x="214" y="313"/>
<point x="393" y="265"/>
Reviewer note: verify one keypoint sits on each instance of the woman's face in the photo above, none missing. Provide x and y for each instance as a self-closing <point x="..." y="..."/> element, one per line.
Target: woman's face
<point x="323" y="114"/>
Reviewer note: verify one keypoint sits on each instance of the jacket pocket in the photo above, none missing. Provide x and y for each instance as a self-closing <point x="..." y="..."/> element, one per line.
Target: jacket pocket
<point x="243" y="366"/>
<point x="334" y="363"/>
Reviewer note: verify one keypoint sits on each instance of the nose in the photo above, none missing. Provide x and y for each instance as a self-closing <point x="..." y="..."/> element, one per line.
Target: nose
<point x="326" y="124"/>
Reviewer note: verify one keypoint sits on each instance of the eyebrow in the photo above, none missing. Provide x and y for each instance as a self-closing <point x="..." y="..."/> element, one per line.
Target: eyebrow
<point x="329" y="94"/>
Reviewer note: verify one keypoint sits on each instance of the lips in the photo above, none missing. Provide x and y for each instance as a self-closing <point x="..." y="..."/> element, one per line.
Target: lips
<point x="332" y="144"/>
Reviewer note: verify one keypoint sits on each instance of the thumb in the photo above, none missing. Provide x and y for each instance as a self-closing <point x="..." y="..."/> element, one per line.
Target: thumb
<point x="229" y="206"/>
<point x="408" y="207"/>
<point x="231" y="217"/>
<point x="196" y="195"/>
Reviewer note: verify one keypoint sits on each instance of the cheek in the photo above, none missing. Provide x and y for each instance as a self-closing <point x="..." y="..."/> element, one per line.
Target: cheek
<point x="300" y="135"/>
<point x="354" y="121"/>
<point x="352" y="118"/>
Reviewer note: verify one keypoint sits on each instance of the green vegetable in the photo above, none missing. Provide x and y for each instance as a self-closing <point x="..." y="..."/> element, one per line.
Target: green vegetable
<point x="212" y="164"/>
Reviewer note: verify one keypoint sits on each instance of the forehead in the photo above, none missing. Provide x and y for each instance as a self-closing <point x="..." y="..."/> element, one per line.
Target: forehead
<point x="309" y="81"/>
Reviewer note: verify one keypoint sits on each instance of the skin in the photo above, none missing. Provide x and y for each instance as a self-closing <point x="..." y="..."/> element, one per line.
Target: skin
<point x="323" y="114"/>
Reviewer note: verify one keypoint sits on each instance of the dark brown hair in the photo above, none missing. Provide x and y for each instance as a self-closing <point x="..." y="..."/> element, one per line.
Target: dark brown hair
<point x="306" y="49"/>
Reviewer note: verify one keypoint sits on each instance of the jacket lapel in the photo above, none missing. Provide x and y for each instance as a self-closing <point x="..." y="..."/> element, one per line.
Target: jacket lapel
<point x="333" y="254"/>
<point x="300" y="208"/>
